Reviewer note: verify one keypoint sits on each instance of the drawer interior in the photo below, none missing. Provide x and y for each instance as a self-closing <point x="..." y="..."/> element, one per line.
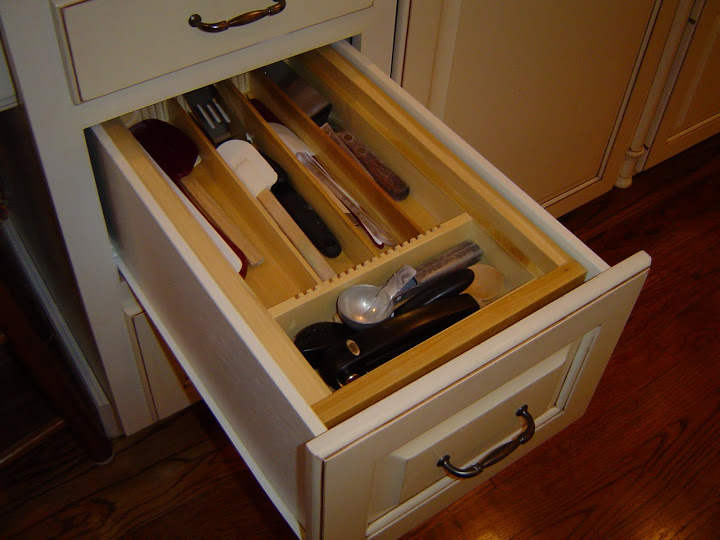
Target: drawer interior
<point x="448" y="204"/>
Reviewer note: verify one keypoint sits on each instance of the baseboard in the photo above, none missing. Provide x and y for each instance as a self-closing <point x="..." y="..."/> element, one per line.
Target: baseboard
<point x="65" y="336"/>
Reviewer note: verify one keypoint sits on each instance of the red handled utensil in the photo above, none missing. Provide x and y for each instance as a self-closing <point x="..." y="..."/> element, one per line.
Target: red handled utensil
<point x="176" y="154"/>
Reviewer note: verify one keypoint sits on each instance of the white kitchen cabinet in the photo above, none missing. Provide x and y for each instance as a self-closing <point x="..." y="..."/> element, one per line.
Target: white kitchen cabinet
<point x="691" y="112"/>
<point x="552" y="92"/>
<point x="360" y="461"/>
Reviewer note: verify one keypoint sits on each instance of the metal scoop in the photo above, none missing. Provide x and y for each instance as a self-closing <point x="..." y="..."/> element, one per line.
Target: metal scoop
<point x="361" y="306"/>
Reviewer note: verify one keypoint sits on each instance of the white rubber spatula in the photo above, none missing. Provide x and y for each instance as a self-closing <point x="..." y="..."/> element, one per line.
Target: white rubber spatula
<point x="176" y="154"/>
<point x="258" y="176"/>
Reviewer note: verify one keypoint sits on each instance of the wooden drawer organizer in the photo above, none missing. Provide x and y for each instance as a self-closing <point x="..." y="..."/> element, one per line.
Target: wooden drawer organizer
<point x="448" y="203"/>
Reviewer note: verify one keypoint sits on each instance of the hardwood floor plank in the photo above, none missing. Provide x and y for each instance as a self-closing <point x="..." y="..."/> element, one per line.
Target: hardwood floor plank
<point x="240" y="509"/>
<point x="139" y="499"/>
<point x="74" y="478"/>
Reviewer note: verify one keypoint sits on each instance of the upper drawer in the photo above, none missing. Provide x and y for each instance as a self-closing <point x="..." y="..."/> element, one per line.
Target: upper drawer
<point x="112" y="44"/>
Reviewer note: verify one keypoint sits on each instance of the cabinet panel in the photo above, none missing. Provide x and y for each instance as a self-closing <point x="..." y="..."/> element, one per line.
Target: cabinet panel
<point x="537" y="88"/>
<point x="234" y="339"/>
<point x="167" y="387"/>
<point x="466" y="436"/>
<point x="693" y="111"/>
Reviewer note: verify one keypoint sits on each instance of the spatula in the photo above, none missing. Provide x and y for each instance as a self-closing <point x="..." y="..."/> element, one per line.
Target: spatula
<point x="177" y="154"/>
<point x="307" y="232"/>
<point x="209" y="113"/>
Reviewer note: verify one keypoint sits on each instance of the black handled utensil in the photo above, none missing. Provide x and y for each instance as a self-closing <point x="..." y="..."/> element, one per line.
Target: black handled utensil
<point x="368" y="349"/>
<point x="442" y="287"/>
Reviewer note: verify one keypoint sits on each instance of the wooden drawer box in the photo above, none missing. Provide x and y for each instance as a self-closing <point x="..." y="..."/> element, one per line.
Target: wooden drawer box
<point x="233" y="336"/>
<point x="99" y="58"/>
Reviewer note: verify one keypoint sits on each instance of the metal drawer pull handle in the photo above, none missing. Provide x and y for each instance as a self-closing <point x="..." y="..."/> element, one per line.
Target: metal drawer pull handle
<point x="500" y="453"/>
<point x="241" y="20"/>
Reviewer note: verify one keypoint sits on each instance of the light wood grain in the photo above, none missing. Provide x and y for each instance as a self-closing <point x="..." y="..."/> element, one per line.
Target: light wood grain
<point x="555" y="273"/>
<point x="355" y="244"/>
<point x="346" y="171"/>
<point x="371" y="115"/>
<point x="237" y="291"/>
<point x="299" y="239"/>
<point x="460" y="337"/>
<point x="220" y="220"/>
<point x="237" y="202"/>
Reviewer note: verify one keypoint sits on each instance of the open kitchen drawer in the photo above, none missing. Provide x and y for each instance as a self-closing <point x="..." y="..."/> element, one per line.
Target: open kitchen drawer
<point x="320" y="453"/>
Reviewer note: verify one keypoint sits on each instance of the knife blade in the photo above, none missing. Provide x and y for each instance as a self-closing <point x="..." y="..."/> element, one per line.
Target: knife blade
<point x="305" y="155"/>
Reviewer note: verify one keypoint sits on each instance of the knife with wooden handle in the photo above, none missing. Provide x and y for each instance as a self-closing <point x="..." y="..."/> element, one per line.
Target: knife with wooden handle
<point x="390" y="182"/>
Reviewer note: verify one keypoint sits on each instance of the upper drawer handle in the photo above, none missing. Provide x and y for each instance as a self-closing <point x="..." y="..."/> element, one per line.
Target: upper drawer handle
<point x="241" y="20"/>
<point x="500" y="453"/>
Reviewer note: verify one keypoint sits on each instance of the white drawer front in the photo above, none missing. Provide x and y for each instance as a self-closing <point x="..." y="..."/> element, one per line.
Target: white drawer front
<point x="471" y="433"/>
<point x="594" y="326"/>
<point x="112" y="44"/>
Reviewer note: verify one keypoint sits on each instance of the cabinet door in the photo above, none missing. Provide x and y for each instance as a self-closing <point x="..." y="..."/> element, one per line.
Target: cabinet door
<point x="693" y="111"/>
<point x="538" y="88"/>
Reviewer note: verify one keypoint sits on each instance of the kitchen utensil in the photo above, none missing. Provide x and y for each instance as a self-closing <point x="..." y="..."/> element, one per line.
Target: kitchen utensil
<point x="390" y="182"/>
<point x="176" y="154"/>
<point x="305" y="155"/>
<point x="450" y="284"/>
<point x="305" y="96"/>
<point x="270" y="117"/>
<point x="307" y="232"/>
<point x="314" y="339"/>
<point x="488" y="282"/>
<point x="459" y="256"/>
<point x="361" y="306"/>
<point x="303" y="214"/>
<point x="368" y="349"/>
<point x="208" y="112"/>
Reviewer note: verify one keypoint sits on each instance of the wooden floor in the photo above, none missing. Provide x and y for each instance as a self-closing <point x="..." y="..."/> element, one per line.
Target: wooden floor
<point x="643" y="463"/>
